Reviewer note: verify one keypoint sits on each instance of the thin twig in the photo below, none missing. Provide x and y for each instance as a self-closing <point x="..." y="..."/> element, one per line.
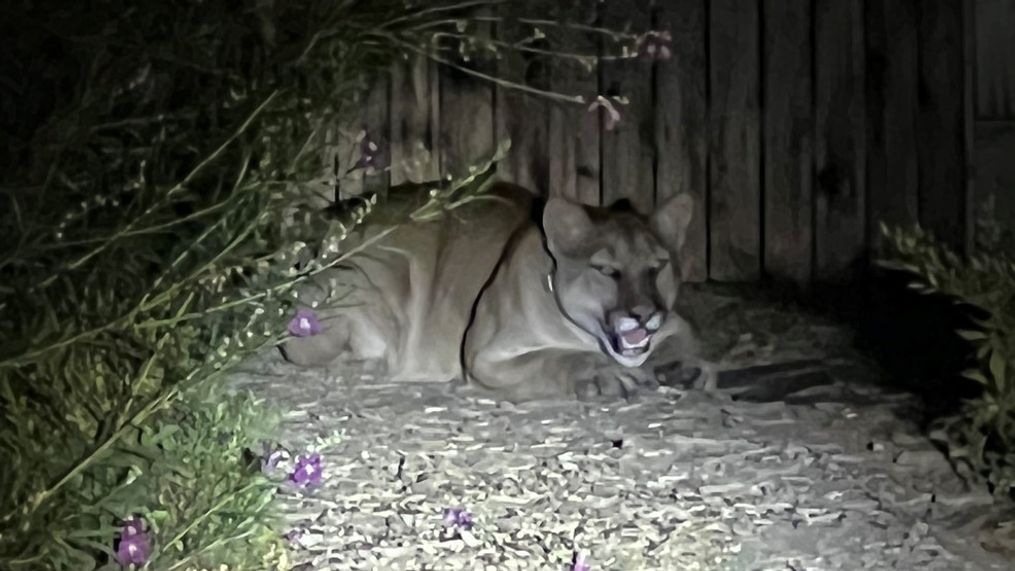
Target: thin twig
<point x="143" y="231"/>
<point x="41" y="497"/>
<point x="574" y="99"/>
<point x="613" y="34"/>
<point x="140" y="121"/>
<point x="169" y="194"/>
<point x="581" y="58"/>
<point x="194" y="523"/>
<point x="437" y="9"/>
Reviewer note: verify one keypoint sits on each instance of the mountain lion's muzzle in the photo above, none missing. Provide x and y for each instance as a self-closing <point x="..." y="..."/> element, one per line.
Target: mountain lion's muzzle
<point x="630" y="333"/>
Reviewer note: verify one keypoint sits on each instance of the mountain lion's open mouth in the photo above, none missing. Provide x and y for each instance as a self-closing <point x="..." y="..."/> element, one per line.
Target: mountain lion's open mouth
<point x="629" y="339"/>
<point x="631" y="343"/>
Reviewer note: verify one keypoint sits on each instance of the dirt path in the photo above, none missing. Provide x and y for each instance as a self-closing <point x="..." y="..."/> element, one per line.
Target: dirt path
<point x="832" y="477"/>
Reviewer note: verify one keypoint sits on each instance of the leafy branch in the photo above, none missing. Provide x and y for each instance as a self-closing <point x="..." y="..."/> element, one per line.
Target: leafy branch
<point x="983" y="434"/>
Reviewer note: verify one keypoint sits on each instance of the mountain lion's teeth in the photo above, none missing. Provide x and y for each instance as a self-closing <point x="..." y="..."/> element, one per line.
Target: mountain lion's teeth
<point x="654" y="322"/>
<point x="626" y="324"/>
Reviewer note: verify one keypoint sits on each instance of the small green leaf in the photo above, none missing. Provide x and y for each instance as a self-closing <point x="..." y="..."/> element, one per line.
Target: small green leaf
<point x="998" y="369"/>
<point x="971" y="334"/>
<point x="975" y="375"/>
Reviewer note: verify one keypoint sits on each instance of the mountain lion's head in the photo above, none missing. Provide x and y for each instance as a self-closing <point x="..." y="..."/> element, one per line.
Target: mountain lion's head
<point x="617" y="273"/>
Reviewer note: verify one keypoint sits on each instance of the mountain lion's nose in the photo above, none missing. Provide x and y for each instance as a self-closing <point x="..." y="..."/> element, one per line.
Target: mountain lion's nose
<point x="642" y="312"/>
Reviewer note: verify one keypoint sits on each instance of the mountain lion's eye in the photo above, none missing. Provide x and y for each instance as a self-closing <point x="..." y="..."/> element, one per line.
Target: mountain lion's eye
<point x="606" y="271"/>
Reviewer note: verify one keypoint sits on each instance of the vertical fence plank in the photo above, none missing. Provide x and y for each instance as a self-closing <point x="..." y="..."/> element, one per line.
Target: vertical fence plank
<point x="995" y="58"/>
<point x="839" y="89"/>
<point x="995" y="179"/>
<point x="681" y="117"/>
<point x="788" y="127"/>
<point x="627" y="161"/>
<point x="941" y="148"/>
<point x="893" y="175"/>
<point x="969" y="123"/>
<point x="468" y="139"/>
<point x="734" y="209"/>
<point x="573" y="137"/>
<point x="467" y="115"/>
<point x="343" y="151"/>
<point x="522" y="117"/>
<point x="414" y="121"/>
<point x="377" y="124"/>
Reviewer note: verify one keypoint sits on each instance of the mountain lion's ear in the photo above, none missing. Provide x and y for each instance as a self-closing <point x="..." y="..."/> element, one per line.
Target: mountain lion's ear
<point x="671" y="219"/>
<point x="566" y="224"/>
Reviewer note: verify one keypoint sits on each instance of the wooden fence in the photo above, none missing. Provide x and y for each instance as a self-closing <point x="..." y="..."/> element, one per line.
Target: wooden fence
<point x="798" y="125"/>
<point x="993" y="153"/>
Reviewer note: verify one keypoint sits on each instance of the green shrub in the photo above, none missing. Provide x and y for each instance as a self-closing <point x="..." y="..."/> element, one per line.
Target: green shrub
<point x="162" y="175"/>
<point x="147" y="255"/>
<point x="983" y="433"/>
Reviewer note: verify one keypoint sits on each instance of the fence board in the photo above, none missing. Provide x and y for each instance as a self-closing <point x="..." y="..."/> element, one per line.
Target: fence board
<point x="995" y="179"/>
<point x="788" y="139"/>
<point x="470" y="140"/>
<point x="521" y="117"/>
<point x="969" y="122"/>
<point x="415" y="99"/>
<point x="734" y="209"/>
<point x="343" y="152"/>
<point x="893" y="103"/>
<point x="839" y="207"/>
<point x="377" y="124"/>
<point x="681" y="124"/>
<point x="627" y="159"/>
<point x="573" y="137"/>
<point x="995" y="59"/>
<point x="941" y="148"/>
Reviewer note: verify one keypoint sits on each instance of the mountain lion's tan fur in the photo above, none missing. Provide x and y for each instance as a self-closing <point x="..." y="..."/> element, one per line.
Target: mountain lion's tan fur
<point x="573" y="306"/>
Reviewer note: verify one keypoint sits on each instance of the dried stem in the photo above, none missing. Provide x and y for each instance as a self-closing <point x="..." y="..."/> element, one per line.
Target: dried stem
<point x="438" y="9"/>
<point x="573" y="99"/>
<point x="169" y="194"/>
<point x="581" y="58"/>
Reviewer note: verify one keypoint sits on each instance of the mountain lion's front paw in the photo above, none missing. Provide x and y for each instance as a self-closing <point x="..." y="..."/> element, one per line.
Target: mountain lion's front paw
<point x="616" y="382"/>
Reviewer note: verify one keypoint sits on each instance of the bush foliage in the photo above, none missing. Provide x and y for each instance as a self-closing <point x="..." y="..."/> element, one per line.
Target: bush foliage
<point x="160" y="180"/>
<point x="982" y="435"/>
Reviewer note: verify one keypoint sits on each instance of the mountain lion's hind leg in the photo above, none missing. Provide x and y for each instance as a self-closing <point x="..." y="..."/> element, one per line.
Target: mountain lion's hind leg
<point x="354" y="334"/>
<point x="354" y="325"/>
<point x="320" y="349"/>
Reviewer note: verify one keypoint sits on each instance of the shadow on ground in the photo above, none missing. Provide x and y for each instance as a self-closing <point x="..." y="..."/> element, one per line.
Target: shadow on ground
<point x="909" y="336"/>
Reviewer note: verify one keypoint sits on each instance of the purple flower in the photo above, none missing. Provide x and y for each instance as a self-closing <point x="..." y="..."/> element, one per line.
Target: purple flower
<point x="372" y="154"/>
<point x="655" y="45"/>
<point x="458" y="517"/>
<point x="612" y="115"/>
<point x="135" y="546"/>
<point x="272" y="457"/>
<point x="294" y="536"/>
<point x="578" y="563"/>
<point x="305" y="324"/>
<point x="308" y="470"/>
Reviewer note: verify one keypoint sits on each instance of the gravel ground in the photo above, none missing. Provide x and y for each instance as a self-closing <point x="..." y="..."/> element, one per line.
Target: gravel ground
<point x="836" y="476"/>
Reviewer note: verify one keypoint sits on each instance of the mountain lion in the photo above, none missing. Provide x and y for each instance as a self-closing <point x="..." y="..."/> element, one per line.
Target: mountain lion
<point x="528" y="297"/>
